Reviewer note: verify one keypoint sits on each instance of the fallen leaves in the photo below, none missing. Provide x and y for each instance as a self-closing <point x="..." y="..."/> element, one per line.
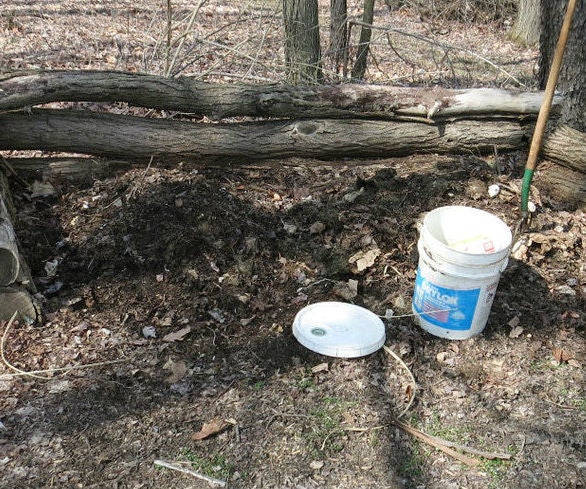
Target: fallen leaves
<point x="322" y="367"/>
<point x="178" y="371"/>
<point x="364" y="259"/>
<point x="211" y="428"/>
<point x="562" y="356"/>
<point x="177" y="335"/>
<point x="346" y="290"/>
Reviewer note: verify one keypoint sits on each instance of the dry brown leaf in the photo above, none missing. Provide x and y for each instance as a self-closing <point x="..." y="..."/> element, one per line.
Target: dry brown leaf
<point x="513" y="323"/>
<point x="409" y="392"/>
<point x="364" y="259"/>
<point x="322" y="367"/>
<point x="562" y="355"/>
<point x="211" y="428"/>
<point x="178" y="371"/>
<point x="516" y="332"/>
<point x="177" y="335"/>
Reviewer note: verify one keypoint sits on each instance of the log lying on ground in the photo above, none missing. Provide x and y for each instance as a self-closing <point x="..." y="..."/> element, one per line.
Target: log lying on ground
<point x="136" y="138"/>
<point x="17" y="299"/>
<point x="9" y="261"/>
<point x="273" y="100"/>
<point x="78" y="170"/>
<point x="16" y="284"/>
<point x="563" y="176"/>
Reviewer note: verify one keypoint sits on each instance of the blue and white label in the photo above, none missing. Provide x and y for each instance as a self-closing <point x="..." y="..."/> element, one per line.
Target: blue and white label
<point x="445" y="308"/>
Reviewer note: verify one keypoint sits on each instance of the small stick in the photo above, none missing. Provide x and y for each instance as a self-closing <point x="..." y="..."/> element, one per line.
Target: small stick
<point x="437" y="443"/>
<point x="413" y="383"/>
<point x="473" y="451"/>
<point x="210" y="480"/>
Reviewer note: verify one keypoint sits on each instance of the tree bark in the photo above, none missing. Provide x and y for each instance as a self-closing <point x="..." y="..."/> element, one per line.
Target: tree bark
<point x="572" y="79"/>
<point x="78" y="170"/>
<point x="563" y="184"/>
<point x="338" y="35"/>
<point x="278" y="101"/>
<point x="15" y="299"/>
<point x="15" y="279"/>
<point x="527" y="27"/>
<point x="359" y="67"/>
<point x="136" y="138"/>
<point x="568" y="179"/>
<point x="9" y="262"/>
<point x="302" y="41"/>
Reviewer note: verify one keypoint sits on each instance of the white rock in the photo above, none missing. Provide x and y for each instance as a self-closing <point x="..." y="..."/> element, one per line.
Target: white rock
<point x="494" y="190"/>
<point x="149" y="332"/>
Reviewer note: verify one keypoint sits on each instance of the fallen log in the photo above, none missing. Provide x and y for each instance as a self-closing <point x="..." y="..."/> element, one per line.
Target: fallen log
<point x="136" y="138"/>
<point x="9" y="262"/>
<point x="18" y="299"/>
<point x="16" y="285"/>
<point x="78" y="170"/>
<point x="219" y="101"/>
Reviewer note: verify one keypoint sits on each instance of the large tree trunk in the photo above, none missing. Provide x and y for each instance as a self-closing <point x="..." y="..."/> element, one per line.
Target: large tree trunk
<point x="572" y="78"/>
<point x="135" y="138"/>
<point x="302" y="41"/>
<point x="527" y="26"/>
<point x="567" y="178"/>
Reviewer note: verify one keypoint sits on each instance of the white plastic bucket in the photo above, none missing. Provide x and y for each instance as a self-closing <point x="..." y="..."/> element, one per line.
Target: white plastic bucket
<point x="462" y="252"/>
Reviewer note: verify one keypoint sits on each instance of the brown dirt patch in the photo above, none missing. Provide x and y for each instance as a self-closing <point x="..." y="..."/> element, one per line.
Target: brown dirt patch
<point x="233" y="253"/>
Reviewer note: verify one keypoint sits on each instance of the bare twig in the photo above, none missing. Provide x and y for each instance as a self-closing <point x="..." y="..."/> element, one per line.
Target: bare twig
<point x="136" y="185"/>
<point x="169" y="36"/>
<point x="210" y="480"/>
<point x="413" y="383"/>
<point x="473" y="451"/>
<point x="437" y="443"/>
<point x="443" y="45"/>
<point x="183" y="37"/>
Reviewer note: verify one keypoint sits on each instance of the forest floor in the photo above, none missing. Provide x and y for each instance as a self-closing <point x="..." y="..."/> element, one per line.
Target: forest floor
<point x="176" y="287"/>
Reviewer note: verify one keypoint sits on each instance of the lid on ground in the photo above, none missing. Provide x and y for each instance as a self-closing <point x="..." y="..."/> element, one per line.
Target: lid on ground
<point x="338" y="329"/>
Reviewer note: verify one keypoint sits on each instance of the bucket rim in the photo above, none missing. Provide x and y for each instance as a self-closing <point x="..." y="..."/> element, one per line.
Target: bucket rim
<point x="496" y="256"/>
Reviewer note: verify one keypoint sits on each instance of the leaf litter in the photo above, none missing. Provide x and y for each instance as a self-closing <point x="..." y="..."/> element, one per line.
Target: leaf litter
<point x="204" y="247"/>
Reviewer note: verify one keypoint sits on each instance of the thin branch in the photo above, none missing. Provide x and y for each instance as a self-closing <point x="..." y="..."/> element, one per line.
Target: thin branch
<point x="189" y="26"/>
<point x="210" y="480"/>
<point x="437" y="443"/>
<point x="442" y="45"/>
<point x="413" y="382"/>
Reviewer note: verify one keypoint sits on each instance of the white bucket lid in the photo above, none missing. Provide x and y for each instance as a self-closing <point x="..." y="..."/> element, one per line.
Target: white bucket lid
<point x="338" y="329"/>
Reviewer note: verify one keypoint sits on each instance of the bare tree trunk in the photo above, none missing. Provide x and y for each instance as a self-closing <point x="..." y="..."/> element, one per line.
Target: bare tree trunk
<point x="302" y="42"/>
<point x="572" y="79"/>
<point x="338" y="35"/>
<point x="527" y="27"/>
<point x="567" y="177"/>
<point x="365" y="33"/>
